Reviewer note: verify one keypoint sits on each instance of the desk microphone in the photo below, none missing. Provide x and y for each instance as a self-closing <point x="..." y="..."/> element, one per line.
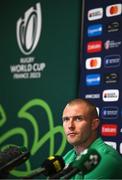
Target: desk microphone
<point x="12" y="157"/>
<point x="84" y="163"/>
<point x="49" y="167"/>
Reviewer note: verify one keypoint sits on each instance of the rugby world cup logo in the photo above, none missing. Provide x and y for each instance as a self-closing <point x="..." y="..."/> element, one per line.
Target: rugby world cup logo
<point x="28" y="29"/>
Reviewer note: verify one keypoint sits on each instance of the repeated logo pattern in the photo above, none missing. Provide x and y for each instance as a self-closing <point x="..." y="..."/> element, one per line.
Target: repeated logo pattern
<point x="101" y="52"/>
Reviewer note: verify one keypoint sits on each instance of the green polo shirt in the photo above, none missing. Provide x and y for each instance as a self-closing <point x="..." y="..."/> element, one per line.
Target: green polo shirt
<point x="110" y="166"/>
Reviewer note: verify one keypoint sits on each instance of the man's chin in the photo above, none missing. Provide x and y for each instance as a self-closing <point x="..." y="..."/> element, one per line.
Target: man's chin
<point x="73" y="143"/>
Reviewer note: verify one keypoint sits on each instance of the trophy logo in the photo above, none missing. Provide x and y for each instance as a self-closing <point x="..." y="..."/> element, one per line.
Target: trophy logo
<point x="28" y="29"/>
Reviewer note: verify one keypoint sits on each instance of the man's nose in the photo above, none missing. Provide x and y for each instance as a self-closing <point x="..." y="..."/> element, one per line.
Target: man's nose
<point x="71" y="123"/>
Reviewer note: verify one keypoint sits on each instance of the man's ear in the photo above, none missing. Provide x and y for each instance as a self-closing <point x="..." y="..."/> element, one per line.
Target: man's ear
<point x="95" y="123"/>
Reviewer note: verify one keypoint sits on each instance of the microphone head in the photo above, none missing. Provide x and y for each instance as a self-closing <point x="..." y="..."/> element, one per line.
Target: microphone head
<point x="84" y="163"/>
<point x="53" y="165"/>
<point x="12" y="156"/>
<point x="87" y="161"/>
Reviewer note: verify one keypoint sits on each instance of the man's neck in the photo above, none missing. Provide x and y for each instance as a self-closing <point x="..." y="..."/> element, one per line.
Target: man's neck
<point x="83" y="146"/>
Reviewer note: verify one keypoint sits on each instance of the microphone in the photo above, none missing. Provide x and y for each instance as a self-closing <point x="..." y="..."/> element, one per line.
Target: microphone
<point x="49" y="167"/>
<point x="84" y="163"/>
<point x="11" y="157"/>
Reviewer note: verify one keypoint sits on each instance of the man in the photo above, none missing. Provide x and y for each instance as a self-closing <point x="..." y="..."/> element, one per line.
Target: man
<point x="81" y="126"/>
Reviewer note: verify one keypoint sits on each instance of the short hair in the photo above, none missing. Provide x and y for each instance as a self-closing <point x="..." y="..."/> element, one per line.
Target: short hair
<point x="92" y="107"/>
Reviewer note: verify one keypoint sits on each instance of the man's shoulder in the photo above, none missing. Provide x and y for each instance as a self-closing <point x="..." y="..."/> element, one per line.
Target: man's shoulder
<point x="106" y="151"/>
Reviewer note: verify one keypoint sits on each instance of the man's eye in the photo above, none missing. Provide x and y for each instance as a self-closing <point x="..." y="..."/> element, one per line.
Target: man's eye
<point x="65" y="119"/>
<point x="79" y="118"/>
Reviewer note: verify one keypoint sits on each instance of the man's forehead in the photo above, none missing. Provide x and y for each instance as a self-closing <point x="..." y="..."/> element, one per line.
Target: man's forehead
<point x="76" y="105"/>
<point x="80" y="107"/>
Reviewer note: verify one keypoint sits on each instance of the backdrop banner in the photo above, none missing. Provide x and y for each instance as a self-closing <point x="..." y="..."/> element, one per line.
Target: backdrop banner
<point x="39" y="52"/>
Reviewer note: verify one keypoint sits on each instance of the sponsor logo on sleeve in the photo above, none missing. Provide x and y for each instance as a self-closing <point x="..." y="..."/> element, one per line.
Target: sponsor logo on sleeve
<point x="109" y="130"/>
<point x="112" y="144"/>
<point x="93" y="63"/>
<point x="112" y="61"/>
<point x="110" y="95"/>
<point x="94" y="46"/>
<point x="114" y="10"/>
<point x="93" y="79"/>
<point x="94" y="14"/>
<point x="95" y="30"/>
<point x="110" y="112"/>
